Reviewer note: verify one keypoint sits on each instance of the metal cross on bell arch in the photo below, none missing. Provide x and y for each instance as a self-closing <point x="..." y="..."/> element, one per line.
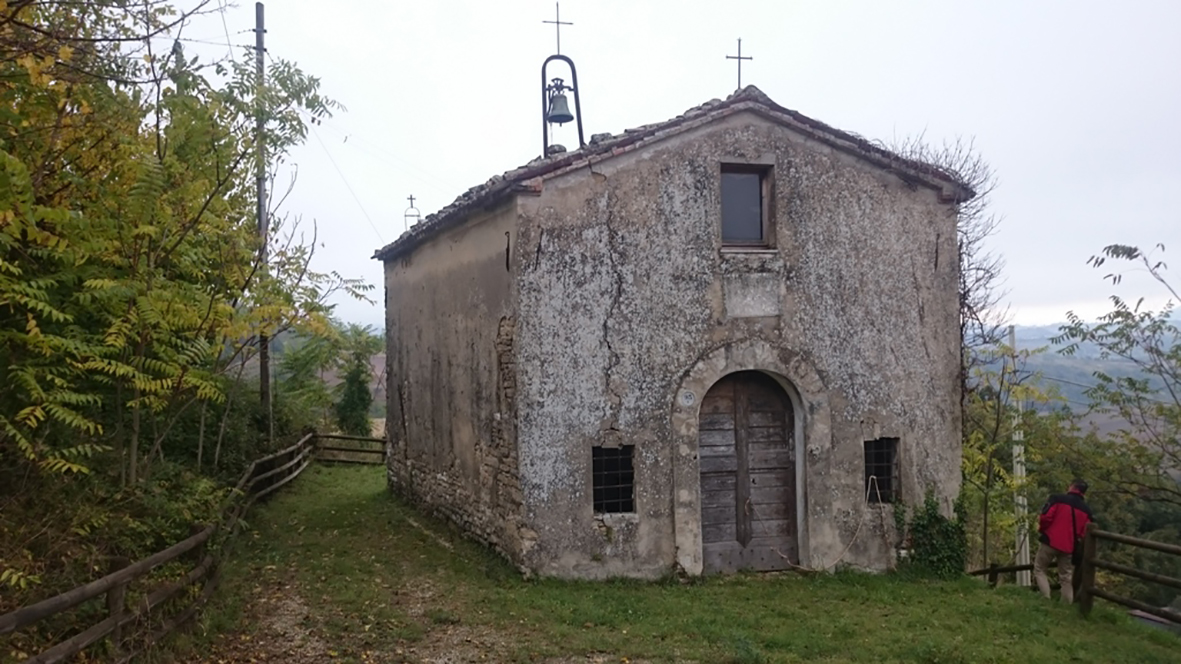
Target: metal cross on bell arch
<point x="412" y="216"/>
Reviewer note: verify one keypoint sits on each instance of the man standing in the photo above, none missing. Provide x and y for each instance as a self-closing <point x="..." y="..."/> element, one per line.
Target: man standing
<point x="1062" y="524"/>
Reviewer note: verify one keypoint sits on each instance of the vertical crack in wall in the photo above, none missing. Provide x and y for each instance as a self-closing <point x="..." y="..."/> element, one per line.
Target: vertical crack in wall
<point x="405" y="437"/>
<point x="922" y="312"/>
<point x="537" y="253"/>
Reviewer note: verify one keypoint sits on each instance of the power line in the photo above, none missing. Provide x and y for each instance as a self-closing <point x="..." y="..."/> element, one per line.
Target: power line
<point x="346" y="184"/>
<point x="423" y="176"/>
<point x="192" y="40"/>
<point x="1068" y="382"/>
<point x="312" y="127"/>
<point x="432" y="180"/>
<point x="382" y="154"/>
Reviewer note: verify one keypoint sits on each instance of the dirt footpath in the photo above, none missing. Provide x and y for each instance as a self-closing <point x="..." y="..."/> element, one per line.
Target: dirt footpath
<point x="278" y="627"/>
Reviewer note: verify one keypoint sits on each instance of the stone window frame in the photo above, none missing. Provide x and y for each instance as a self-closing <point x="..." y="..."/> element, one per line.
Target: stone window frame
<point x="883" y="446"/>
<point x="599" y="502"/>
<point x="765" y="169"/>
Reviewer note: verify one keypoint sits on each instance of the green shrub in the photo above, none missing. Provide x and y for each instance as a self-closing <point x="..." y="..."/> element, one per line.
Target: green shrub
<point x="939" y="545"/>
<point x="352" y="411"/>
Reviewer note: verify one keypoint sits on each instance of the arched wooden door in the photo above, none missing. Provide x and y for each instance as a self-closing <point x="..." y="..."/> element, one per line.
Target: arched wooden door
<point x="747" y="459"/>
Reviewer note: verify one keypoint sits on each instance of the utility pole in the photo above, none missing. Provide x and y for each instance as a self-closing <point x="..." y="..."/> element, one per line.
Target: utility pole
<point x="1022" y="508"/>
<point x="264" y="340"/>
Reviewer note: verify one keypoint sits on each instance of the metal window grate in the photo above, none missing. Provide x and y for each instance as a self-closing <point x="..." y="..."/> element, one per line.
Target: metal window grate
<point x="881" y="462"/>
<point x="613" y="479"/>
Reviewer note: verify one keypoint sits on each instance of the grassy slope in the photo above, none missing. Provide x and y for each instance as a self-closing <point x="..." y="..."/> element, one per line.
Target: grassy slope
<point x="379" y="588"/>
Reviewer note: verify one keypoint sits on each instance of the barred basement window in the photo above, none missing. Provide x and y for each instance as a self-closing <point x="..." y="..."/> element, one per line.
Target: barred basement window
<point x="881" y="470"/>
<point x="613" y="479"/>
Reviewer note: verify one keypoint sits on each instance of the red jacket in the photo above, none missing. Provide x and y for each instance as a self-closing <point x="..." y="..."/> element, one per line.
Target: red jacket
<point x="1056" y="523"/>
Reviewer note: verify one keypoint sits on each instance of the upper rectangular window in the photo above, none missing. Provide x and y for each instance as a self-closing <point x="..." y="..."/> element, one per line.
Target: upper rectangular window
<point x="881" y="470"/>
<point x="745" y="212"/>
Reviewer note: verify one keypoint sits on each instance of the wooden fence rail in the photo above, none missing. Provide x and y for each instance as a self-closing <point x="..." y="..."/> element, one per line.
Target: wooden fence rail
<point x="1091" y="562"/>
<point x="350" y="449"/>
<point x="994" y="571"/>
<point x="264" y="476"/>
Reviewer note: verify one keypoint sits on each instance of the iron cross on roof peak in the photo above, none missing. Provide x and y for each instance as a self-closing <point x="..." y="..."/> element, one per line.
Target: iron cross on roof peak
<point x="739" y="58"/>
<point x="558" y="23"/>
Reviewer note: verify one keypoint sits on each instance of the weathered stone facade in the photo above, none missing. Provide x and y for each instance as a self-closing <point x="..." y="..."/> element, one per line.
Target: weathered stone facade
<point x="587" y="300"/>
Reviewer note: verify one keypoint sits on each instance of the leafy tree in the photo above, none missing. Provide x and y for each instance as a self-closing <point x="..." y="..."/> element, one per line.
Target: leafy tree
<point x="303" y="370"/>
<point x="1005" y="397"/>
<point x="132" y="287"/>
<point x="991" y="417"/>
<point x="1148" y="405"/>
<point x="352" y="409"/>
<point x="125" y="175"/>
<point x="328" y="375"/>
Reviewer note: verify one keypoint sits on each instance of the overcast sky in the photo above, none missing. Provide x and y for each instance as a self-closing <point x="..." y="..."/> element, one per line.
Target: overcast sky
<point x="1076" y="104"/>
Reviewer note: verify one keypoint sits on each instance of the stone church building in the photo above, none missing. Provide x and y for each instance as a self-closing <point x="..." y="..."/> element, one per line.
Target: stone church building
<point x="725" y="341"/>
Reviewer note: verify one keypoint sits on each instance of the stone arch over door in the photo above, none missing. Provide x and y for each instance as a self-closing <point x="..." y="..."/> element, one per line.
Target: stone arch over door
<point x="811" y="435"/>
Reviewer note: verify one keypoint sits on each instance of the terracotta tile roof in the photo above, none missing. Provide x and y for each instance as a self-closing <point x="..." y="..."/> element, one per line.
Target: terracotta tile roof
<point x="606" y="146"/>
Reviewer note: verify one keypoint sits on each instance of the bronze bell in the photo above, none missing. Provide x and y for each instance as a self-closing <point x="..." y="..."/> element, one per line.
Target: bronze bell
<point x="559" y="110"/>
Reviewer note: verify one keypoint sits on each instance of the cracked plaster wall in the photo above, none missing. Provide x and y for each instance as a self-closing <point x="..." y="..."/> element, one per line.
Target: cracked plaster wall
<point x="625" y="294"/>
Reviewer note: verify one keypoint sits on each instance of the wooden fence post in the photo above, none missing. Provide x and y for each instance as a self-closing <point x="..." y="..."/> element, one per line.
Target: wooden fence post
<point x="993" y="575"/>
<point x="199" y="551"/>
<point x="1086" y="572"/>
<point x="262" y="467"/>
<point x="116" y="601"/>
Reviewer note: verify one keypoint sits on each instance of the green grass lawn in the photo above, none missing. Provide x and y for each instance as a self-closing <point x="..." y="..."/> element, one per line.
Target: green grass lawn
<point x="380" y="582"/>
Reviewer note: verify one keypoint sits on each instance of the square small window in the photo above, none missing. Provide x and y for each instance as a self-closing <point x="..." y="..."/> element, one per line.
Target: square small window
<point x="881" y="470"/>
<point x="613" y="479"/>
<point x="745" y="209"/>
